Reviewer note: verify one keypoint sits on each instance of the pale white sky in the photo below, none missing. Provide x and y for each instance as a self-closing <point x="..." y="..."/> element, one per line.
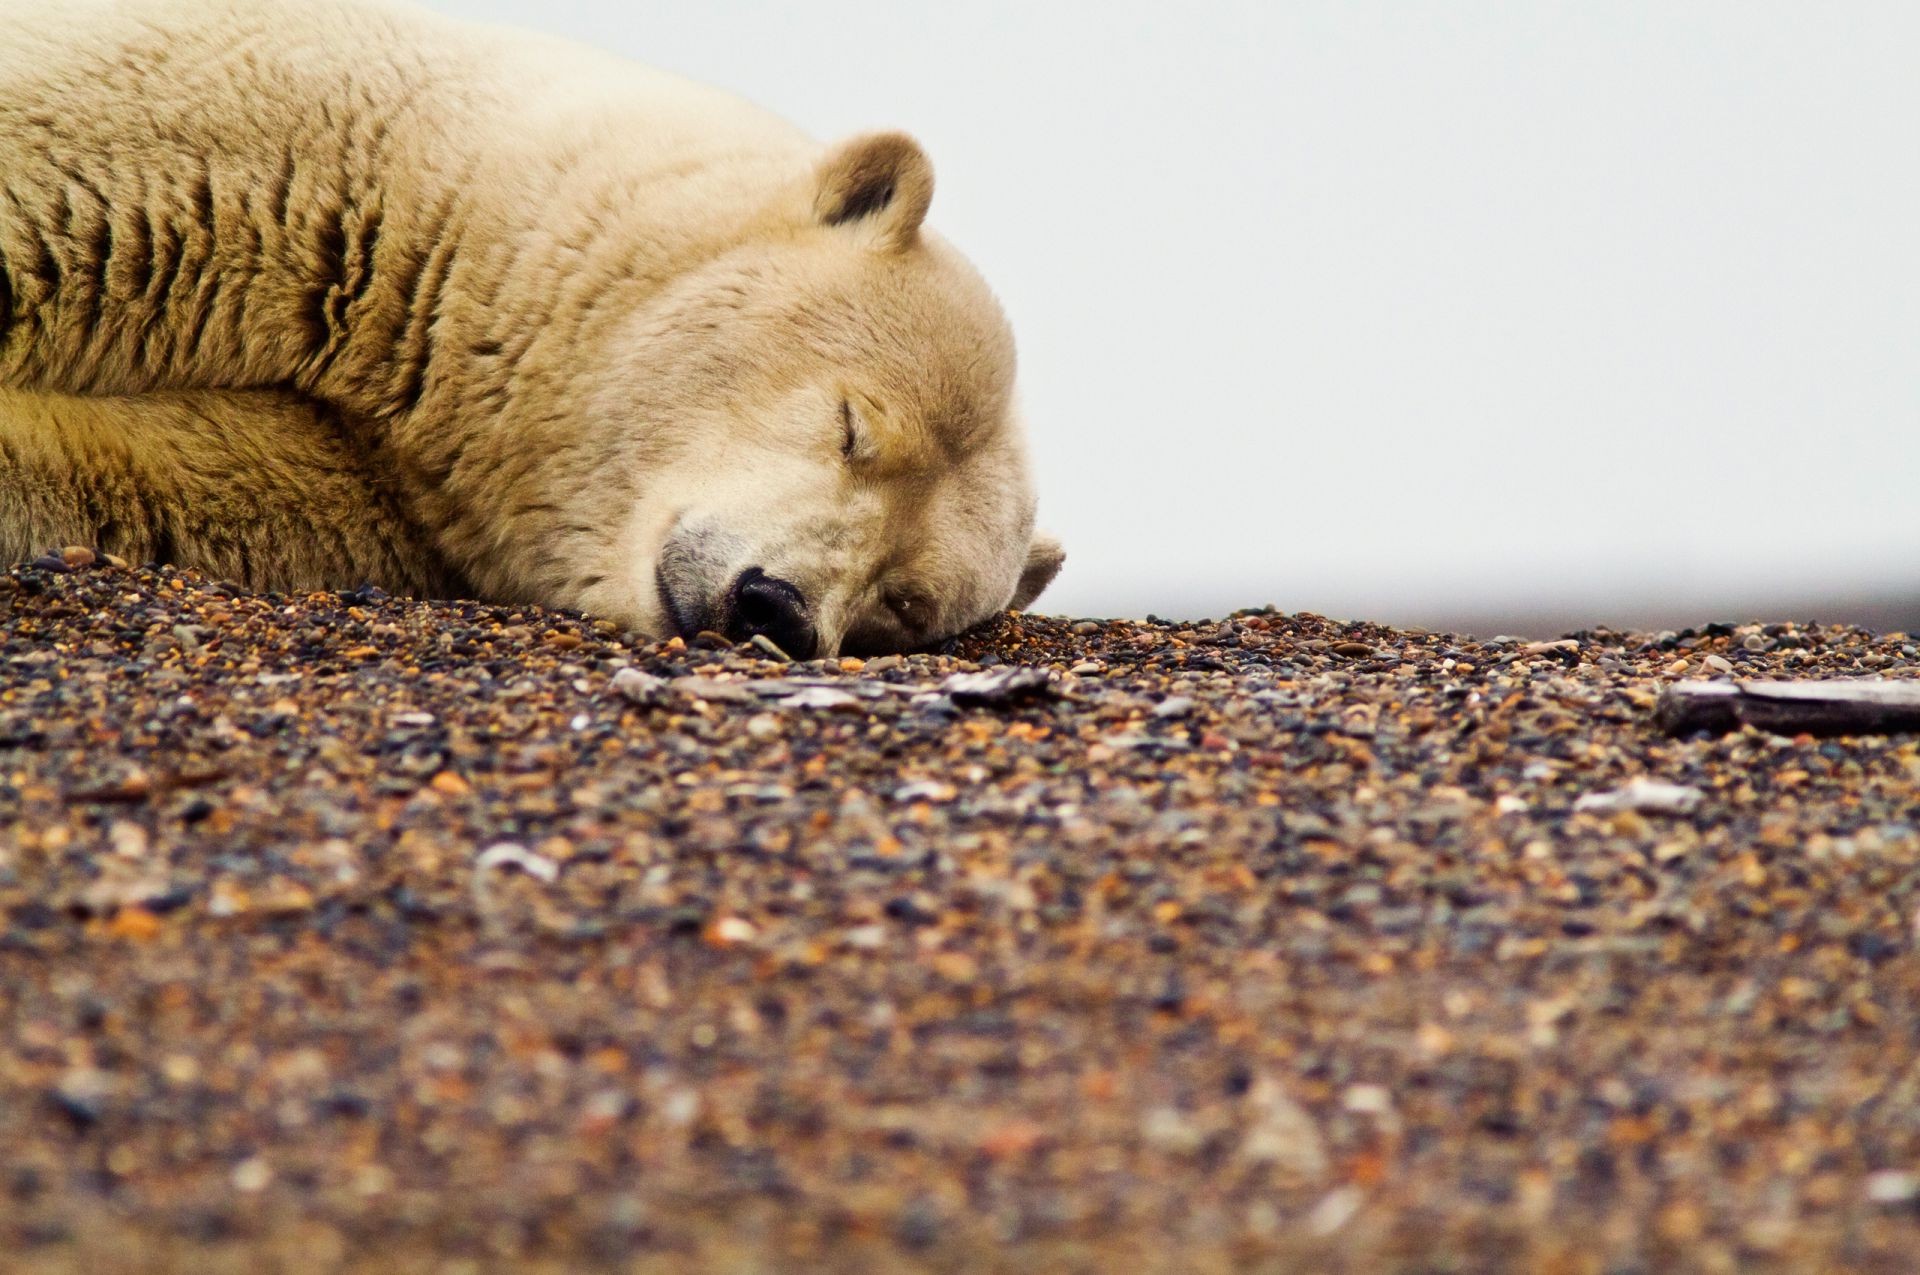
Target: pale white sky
<point x="1510" y="314"/>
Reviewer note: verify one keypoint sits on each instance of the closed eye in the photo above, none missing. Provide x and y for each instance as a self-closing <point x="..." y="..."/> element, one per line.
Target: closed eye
<point x="905" y="608"/>
<point x="849" y="432"/>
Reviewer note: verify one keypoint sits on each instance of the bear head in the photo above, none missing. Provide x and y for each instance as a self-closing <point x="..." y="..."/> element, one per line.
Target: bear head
<point x="827" y="450"/>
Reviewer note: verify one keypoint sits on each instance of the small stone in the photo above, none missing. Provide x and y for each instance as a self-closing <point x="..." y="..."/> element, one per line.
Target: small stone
<point x="710" y="690"/>
<point x="1335" y="1210"/>
<point x="134" y="786"/>
<point x="77" y="556"/>
<point x="449" y="784"/>
<point x="227" y="899"/>
<point x="1642" y="796"/>
<point x="1281" y="1133"/>
<point x="925" y="790"/>
<point x="1367" y="1100"/>
<point x="252" y="1175"/>
<point x="998" y="686"/>
<point x="1893" y="1186"/>
<point x="821" y="698"/>
<point x="1170" y="1130"/>
<point x="81" y="1095"/>
<point x="679" y="1107"/>
<point x="136" y="924"/>
<point x="1718" y="663"/>
<point x="642" y="690"/>
<point x="128" y="839"/>
<point x="1175" y="706"/>
<point x="730" y="931"/>
<point x="1086" y="628"/>
<point x="508" y="855"/>
<point x="769" y="648"/>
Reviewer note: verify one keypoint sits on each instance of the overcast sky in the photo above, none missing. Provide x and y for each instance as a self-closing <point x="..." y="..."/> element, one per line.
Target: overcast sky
<point x="1505" y="315"/>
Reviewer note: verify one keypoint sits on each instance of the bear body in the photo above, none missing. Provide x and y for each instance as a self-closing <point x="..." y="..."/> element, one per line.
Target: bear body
<point x="606" y="339"/>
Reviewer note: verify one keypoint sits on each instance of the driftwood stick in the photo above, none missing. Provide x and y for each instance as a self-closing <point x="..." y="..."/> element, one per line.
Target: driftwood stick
<point x="1844" y="706"/>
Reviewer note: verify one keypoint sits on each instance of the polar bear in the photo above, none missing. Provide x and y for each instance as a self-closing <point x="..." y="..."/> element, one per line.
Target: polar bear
<point x="559" y="328"/>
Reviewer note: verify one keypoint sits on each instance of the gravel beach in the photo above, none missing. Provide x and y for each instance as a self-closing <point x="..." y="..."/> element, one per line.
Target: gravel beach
<point x="347" y="932"/>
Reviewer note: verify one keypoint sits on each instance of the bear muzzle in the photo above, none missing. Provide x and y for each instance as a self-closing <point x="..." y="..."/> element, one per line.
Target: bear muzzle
<point x="760" y="605"/>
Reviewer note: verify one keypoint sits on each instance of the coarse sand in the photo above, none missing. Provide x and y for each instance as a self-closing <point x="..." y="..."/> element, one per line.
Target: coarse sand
<point x="342" y="932"/>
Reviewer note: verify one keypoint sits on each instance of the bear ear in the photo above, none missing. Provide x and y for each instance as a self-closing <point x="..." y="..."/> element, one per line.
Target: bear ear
<point x="1044" y="557"/>
<point x="879" y="180"/>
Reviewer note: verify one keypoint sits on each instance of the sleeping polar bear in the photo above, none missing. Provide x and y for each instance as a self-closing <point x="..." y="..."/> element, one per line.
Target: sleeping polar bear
<point x="319" y="292"/>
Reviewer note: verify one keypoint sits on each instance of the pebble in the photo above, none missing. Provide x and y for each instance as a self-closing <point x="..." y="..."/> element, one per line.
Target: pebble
<point x="1893" y="1186"/>
<point x="926" y="790"/>
<point x="767" y="647"/>
<point x="821" y="698"/>
<point x="506" y="854"/>
<point x="641" y="689"/>
<point x="1643" y="796"/>
<point x="252" y="1175"/>
<point x="1335" y="1209"/>
<point x="710" y="690"/>
<point x="447" y="953"/>
<point x="998" y="686"/>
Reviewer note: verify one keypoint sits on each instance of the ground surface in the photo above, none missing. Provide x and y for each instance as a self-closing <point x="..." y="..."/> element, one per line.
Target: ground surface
<point x="342" y="932"/>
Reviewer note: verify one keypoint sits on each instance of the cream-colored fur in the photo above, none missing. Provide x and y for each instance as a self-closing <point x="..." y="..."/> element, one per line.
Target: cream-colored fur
<point x="270" y="490"/>
<point x="606" y="338"/>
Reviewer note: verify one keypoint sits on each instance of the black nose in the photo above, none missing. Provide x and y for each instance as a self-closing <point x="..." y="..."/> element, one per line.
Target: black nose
<point x="762" y="604"/>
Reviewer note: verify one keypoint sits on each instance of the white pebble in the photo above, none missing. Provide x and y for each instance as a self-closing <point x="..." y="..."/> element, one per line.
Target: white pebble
<point x="1644" y="796"/>
<point x="820" y="697"/>
<point x="508" y="855"/>
<point x="1335" y="1210"/>
<point x="925" y="790"/>
<point x="1893" y="1186"/>
<point x="252" y="1175"/>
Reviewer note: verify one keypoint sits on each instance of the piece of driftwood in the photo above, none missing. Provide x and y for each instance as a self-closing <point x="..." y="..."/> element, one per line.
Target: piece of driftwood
<point x="1844" y="706"/>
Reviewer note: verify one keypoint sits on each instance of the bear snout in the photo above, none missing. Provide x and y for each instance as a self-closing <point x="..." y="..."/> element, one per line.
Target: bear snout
<point x="760" y="605"/>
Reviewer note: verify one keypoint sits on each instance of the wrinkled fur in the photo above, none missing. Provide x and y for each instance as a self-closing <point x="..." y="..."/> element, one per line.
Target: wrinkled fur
<point x="548" y="314"/>
<point x="269" y="490"/>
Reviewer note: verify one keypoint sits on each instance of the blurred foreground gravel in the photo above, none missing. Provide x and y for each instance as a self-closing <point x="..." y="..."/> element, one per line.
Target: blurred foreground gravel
<point x="352" y="933"/>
